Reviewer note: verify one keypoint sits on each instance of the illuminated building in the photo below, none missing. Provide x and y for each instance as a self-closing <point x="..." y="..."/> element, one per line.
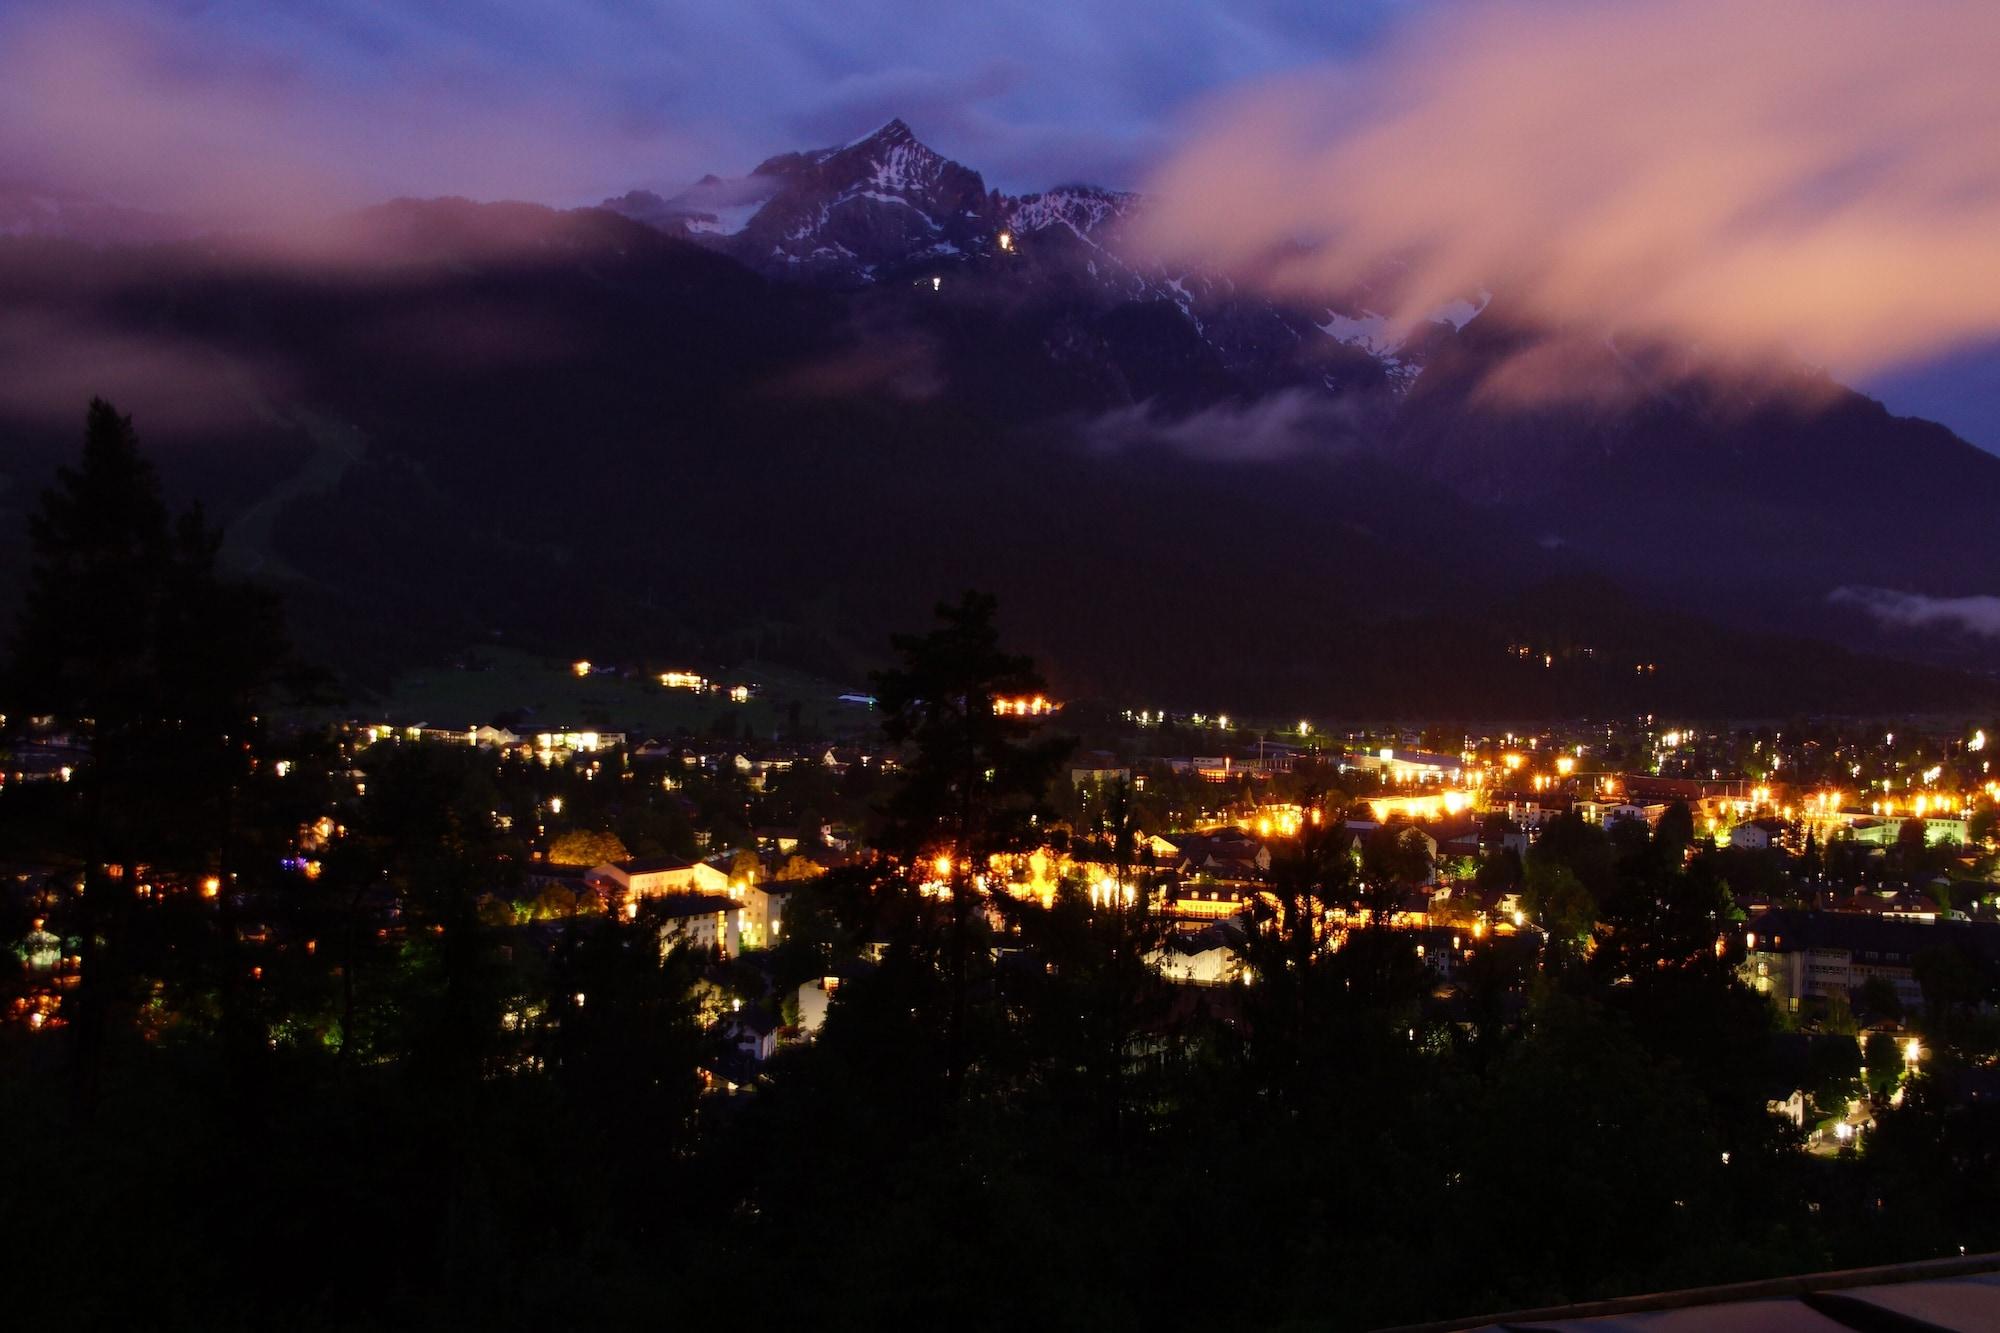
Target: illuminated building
<point x="1407" y="767"/>
<point x="705" y="922"/>
<point x="1795" y="956"/>
<point x="1206" y="956"/>
<point x="656" y="876"/>
<point x="1443" y="804"/>
<point x="1035" y="706"/>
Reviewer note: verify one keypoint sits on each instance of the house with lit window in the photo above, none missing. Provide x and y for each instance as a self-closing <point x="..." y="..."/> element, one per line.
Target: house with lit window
<point x="705" y="922"/>
<point x="1208" y="956"/>
<point x="1529" y="810"/>
<point x="1757" y="834"/>
<point x="1206" y="900"/>
<point x="816" y="995"/>
<point x="763" y="909"/>
<point x="1609" y="812"/>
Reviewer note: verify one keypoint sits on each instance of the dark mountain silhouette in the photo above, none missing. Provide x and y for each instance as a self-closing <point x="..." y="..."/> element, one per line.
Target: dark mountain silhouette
<point x="790" y="428"/>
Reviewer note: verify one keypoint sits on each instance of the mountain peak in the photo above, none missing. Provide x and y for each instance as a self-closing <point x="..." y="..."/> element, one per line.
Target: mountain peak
<point x="847" y="215"/>
<point x="889" y="140"/>
<point x="896" y="131"/>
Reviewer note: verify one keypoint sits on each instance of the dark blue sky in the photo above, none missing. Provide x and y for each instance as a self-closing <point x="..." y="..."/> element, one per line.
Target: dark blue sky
<point x="1962" y="390"/>
<point x="569" y="101"/>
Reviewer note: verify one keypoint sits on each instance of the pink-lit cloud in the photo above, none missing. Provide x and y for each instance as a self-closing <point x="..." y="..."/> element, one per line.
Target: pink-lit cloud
<point x="1817" y="176"/>
<point x="219" y="119"/>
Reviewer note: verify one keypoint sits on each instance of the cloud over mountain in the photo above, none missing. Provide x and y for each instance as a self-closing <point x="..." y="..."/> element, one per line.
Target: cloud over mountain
<point x="1817" y="175"/>
<point x="1909" y="610"/>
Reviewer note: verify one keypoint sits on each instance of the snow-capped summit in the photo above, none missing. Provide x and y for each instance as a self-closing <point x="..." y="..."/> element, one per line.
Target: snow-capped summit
<point x="849" y="215"/>
<point x="886" y="206"/>
<point x="853" y="213"/>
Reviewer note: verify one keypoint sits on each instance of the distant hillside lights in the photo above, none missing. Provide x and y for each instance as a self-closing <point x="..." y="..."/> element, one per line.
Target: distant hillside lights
<point x="555" y="746"/>
<point x="1148" y="717"/>
<point x="1038" y="706"/>
<point x="696" y="683"/>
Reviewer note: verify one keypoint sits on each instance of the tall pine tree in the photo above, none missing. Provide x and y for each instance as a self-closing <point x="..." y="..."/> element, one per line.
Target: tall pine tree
<point x="130" y="638"/>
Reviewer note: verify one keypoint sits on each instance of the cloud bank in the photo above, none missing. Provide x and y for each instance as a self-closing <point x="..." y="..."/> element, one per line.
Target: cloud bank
<point x="235" y="119"/>
<point x="1909" y="610"/>
<point x="1817" y="176"/>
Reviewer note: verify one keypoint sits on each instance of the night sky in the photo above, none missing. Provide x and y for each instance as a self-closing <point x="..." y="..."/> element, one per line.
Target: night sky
<point x="269" y="110"/>
<point x="568" y="102"/>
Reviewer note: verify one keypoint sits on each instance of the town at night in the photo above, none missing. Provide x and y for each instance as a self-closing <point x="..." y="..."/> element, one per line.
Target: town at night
<point x="1257" y="666"/>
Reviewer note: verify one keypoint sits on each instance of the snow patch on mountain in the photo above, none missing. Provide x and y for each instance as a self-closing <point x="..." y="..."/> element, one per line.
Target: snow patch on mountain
<point x="1368" y="331"/>
<point x="1381" y="337"/>
<point x="1083" y="210"/>
<point x="907" y="166"/>
<point x="725" y="221"/>
<point x="1460" y="312"/>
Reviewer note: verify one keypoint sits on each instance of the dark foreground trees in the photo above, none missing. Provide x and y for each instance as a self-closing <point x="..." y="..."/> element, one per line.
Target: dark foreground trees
<point x="130" y="636"/>
<point x="414" y="1105"/>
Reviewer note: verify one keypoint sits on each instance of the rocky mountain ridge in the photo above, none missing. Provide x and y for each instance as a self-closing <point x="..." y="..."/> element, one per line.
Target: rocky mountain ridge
<point x="887" y="208"/>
